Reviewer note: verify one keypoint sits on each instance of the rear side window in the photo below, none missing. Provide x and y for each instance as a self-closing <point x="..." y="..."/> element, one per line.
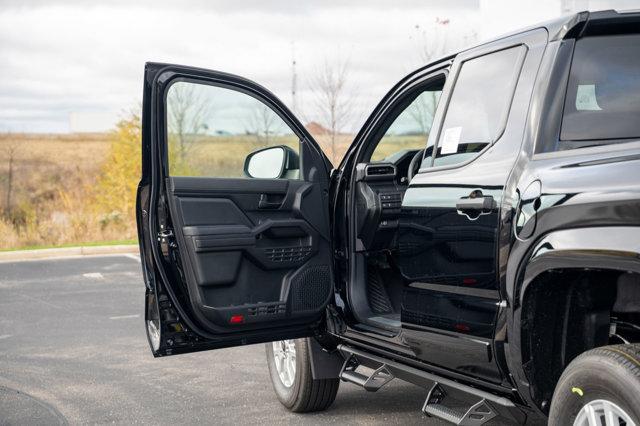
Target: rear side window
<point x="603" y="92"/>
<point x="479" y="106"/>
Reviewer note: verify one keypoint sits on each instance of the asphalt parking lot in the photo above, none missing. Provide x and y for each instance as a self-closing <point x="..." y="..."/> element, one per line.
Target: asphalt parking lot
<point x="73" y="351"/>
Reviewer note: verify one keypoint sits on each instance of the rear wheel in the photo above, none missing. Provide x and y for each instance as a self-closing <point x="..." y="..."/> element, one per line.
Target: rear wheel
<point x="601" y="387"/>
<point x="290" y="370"/>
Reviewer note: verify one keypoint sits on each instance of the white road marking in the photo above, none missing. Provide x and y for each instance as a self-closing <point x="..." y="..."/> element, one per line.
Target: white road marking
<point x="5" y="336"/>
<point x="124" y="317"/>
<point x="94" y="275"/>
<point x="135" y="257"/>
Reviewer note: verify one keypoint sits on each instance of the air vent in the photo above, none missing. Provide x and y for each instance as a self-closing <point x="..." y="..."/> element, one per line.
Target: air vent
<point x="381" y="170"/>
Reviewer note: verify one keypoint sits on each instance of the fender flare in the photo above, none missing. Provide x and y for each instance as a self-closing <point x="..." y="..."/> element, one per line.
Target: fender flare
<point x="616" y="248"/>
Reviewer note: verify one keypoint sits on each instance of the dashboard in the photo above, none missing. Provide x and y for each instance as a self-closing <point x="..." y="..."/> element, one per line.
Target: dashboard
<point x="380" y="188"/>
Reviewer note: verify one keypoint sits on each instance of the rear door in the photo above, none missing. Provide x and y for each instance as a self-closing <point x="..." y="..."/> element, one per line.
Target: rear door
<point x="232" y="214"/>
<point x="453" y="205"/>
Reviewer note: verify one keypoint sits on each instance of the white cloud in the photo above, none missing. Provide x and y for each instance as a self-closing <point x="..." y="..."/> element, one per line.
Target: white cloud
<point x="67" y="57"/>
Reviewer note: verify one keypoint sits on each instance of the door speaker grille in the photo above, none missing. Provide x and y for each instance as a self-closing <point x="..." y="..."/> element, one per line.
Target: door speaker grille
<point x="310" y="288"/>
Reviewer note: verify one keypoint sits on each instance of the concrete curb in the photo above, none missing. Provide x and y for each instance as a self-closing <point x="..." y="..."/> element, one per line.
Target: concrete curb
<point x="18" y="255"/>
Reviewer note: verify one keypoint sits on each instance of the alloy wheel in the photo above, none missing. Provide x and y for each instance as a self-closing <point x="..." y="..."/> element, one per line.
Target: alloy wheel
<point x="284" y="354"/>
<point x="601" y="412"/>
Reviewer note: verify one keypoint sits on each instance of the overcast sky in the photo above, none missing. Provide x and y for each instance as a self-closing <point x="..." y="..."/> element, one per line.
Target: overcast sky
<point x="67" y="65"/>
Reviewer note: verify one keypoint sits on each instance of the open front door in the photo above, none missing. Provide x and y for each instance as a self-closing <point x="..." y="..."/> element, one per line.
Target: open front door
<point x="232" y="214"/>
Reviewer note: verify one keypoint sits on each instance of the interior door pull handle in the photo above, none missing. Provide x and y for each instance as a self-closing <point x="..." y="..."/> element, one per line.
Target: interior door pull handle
<point x="265" y="203"/>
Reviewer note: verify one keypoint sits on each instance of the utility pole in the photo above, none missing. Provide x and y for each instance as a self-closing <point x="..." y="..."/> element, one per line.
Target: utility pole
<point x="294" y="78"/>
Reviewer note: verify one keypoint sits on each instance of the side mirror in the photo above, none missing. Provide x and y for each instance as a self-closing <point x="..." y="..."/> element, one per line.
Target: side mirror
<point x="273" y="162"/>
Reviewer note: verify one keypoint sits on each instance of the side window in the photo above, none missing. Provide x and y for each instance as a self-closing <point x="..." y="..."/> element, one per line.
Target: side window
<point x="479" y="106"/>
<point x="603" y="93"/>
<point x="211" y="130"/>
<point x="410" y="129"/>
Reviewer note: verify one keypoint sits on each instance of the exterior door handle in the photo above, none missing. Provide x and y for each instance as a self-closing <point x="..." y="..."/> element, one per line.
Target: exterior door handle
<point x="476" y="202"/>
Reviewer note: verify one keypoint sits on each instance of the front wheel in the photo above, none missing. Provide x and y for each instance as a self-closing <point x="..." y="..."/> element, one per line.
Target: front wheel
<point x="290" y="370"/>
<point x="601" y="387"/>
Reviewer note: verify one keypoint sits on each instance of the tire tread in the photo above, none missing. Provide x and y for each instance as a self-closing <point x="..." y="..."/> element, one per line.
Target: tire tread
<point x="625" y="361"/>
<point x="309" y="394"/>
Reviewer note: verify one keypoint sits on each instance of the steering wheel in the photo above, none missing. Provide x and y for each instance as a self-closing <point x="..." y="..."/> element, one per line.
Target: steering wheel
<point x="414" y="165"/>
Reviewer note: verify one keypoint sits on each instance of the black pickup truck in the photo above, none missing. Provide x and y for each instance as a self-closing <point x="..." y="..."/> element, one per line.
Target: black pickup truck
<point x="480" y="238"/>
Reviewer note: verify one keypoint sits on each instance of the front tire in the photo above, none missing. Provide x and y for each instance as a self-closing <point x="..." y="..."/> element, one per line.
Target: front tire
<point x="290" y="370"/>
<point x="599" y="387"/>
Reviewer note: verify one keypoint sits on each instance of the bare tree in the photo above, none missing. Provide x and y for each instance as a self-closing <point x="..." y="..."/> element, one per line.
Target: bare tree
<point x="187" y="113"/>
<point x="333" y="100"/>
<point x="432" y="42"/>
<point x="422" y="110"/>
<point x="263" y="124"/>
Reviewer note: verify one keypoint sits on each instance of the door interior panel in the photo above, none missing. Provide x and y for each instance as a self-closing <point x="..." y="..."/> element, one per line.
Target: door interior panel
<point x="253" y="249"/>
<point x="229" y="261"/>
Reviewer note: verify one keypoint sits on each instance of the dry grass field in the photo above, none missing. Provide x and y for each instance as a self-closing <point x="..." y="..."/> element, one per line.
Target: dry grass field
<point x="80" y="188"/>
<point x="223" y="156"/>
<point x="50" y="177"/>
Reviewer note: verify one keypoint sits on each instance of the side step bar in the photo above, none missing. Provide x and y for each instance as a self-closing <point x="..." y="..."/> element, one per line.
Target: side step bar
<point x="478" y="414"/>
<point x="372" y="382"/>
<point x="484" y="406"/>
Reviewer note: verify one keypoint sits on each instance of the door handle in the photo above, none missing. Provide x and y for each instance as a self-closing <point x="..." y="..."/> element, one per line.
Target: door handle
<point x="267" y="202"/>
<point x="475" y="205"/>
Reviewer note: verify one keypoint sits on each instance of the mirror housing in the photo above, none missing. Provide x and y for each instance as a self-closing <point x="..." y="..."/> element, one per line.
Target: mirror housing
<point x="272" y="162"/>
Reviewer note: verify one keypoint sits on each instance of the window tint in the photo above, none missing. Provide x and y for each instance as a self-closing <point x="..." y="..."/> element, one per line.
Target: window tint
<point x="212" y="129"/>
<point x="479" y="105"/>
<point x="603" y="93"/>
<point x="410" y="130"/>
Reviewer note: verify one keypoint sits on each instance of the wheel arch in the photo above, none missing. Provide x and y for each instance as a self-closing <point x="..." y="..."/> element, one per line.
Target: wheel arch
<point x="567" y="282"/>
<point x="614" y="248"/>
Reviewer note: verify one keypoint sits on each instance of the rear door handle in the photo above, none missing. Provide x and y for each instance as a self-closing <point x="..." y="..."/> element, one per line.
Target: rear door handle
<point x="475" y="204"/>
<point x="267" y="201"/>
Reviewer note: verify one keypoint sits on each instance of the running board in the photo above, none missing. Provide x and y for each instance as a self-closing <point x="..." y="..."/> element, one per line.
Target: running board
<point x="483" y="406"/>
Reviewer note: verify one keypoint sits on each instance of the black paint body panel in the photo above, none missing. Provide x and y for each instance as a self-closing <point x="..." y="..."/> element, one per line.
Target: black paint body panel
<point x="469" y="276"/>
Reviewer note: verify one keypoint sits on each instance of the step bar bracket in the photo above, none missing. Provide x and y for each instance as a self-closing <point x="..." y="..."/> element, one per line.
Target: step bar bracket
<point x="372" y="382"/>
<point x="478" y="414"/>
